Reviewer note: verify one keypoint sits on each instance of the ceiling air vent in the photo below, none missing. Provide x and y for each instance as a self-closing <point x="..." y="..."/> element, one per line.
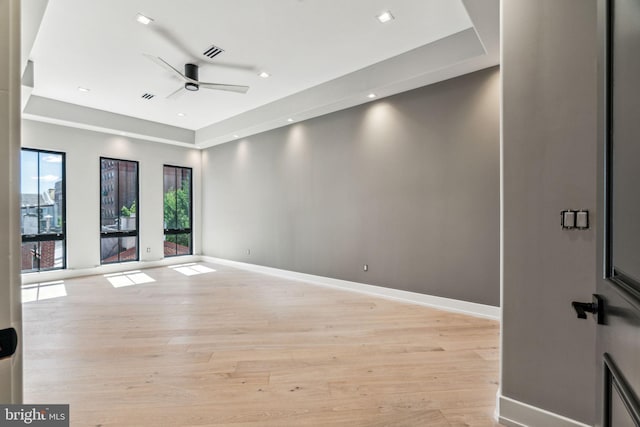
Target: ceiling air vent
<point x="212" y="52"/>
<point x="147" y="96"/>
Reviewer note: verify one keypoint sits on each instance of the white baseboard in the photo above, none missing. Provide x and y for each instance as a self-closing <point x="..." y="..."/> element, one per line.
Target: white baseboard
<point x="513" y="413"/>
<point x="70" y="273"/>
<point x="448" y="304"/>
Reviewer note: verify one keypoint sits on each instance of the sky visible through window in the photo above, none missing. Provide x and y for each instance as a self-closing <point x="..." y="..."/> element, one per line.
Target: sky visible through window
<point x="49" y="171"/>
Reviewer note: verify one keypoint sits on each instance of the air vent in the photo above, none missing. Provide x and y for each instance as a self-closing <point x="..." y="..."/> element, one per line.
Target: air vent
<point x="147" y="96"/>
<point x="212" y="52"/>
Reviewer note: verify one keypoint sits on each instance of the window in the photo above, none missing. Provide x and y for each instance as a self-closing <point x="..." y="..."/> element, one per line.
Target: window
<point x="177" y="211"/>
<point x="42" y="210"/>
<point x="118" y="211"/>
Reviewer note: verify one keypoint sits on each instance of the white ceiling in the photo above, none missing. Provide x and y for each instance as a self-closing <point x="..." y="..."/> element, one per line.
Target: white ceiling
<point x="310" y="48"/>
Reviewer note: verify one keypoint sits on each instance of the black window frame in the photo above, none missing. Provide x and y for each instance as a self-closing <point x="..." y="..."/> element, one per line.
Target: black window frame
<point x="179" y="231"/>
<point x="47" y="237"/>
<point x="120" y="233"/>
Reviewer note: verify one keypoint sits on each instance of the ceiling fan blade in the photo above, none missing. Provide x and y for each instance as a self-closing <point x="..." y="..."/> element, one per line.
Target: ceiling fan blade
<point x="174" y="40"/>
<point x="230" y="66"/>
<point x="220" y="86"/>
<point x="176" y="93"/>
<point x="164" y="64"/>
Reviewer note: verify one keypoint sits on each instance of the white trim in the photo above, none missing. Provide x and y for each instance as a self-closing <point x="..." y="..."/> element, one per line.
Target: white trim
<point x="447" y="304"/>
<point x="514" y="413"/>
<point x="502" y="341"/>
<point x="70" y="273"/>
<point x="107" y="130"/>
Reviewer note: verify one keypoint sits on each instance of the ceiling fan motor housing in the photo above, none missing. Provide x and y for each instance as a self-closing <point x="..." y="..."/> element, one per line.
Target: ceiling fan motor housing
<point x="191" y="72"/>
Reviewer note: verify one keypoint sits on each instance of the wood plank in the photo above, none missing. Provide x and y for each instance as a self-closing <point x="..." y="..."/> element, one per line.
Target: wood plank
<point x="237" y="348"/>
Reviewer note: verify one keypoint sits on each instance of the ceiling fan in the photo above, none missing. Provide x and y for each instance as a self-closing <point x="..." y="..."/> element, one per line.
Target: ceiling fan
<point x="190" y="78"/>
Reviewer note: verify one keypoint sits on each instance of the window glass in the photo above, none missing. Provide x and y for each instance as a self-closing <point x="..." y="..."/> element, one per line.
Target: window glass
<point x="177" y="211"/>
<point x="118" y="211"/>
<point x="42" y="210"/>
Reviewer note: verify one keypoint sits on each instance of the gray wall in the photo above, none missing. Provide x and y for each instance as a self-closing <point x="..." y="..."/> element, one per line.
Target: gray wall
<point x="549" y="72"/>
<point x="408" y="185"/>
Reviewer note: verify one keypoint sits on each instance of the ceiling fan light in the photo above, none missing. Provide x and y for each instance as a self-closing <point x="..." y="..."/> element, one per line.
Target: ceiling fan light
<point x="191" y="86"/>
<point x="144" y="20"/>
<point x="385" y="17"/>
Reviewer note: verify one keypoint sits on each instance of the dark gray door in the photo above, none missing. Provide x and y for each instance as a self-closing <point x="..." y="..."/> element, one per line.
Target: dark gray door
<point x="618" y="340"/>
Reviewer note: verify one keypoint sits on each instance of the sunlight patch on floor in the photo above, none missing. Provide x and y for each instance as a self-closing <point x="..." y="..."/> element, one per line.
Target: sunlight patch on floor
<point x="191" y="269"/>
<point x="128" y="278"/>
<point x="43" y="291"/>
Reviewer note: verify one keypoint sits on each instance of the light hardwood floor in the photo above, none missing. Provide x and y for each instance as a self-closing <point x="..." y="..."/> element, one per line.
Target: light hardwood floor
<point x="237" y="348"/>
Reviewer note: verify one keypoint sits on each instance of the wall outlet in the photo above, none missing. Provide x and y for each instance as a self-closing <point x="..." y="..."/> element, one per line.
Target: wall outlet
<point x="366" y="267"/>
<point x="148" y="250"/>
<point x="248" y="251"/>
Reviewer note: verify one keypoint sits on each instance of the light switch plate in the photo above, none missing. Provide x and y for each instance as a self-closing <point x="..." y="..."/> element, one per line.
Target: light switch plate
<point x="582" y="220"/>
<point x="568" y="219"/>
<point x="574" y="219"/>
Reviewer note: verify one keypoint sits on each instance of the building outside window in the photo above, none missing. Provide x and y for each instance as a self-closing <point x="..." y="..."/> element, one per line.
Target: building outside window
<point x="42" y="210"/>
<point x="118" y="211"/>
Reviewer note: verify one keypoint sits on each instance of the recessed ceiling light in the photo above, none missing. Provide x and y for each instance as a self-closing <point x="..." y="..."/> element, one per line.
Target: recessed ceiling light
<point x="289" y="119"/>
<point x="181" y="114"/>
<point x="371" y="95"/>
<point x="83" y="89"/>
<point x="144" y="20"/>
<point x="385" y="17"/>
<point x="264" y="75"/>
<point x="236" y="136"/>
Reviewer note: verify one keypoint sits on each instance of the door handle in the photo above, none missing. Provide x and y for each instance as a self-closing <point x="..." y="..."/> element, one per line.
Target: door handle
<point x="8" y="342"/>
<point x="595" y="307"/>
<point x="582" y="308"/>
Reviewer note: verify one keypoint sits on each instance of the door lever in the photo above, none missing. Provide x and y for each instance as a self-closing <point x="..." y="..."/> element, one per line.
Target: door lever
<point x="582" y="308"/>
<point x="8" y="342"/>
<point x="595" y="307"/>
